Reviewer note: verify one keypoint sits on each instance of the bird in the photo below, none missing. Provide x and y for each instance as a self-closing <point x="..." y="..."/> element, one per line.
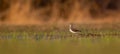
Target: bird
<point x="73" y="30"/>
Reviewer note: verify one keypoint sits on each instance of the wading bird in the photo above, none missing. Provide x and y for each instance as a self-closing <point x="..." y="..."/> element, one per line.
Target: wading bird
<point x="73" y="30"/>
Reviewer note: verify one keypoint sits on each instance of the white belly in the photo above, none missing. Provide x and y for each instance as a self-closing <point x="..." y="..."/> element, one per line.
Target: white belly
<point x="72" y="31"/>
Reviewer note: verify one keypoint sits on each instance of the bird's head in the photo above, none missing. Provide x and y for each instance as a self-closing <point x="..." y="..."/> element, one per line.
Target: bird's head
<point x="70" y="25"/>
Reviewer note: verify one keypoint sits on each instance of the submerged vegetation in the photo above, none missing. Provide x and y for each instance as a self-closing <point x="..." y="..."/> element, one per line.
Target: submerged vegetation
<point x="58" y="40"/>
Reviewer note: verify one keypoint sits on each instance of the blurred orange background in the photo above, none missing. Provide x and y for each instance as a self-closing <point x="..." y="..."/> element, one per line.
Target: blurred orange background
<point x="22" y="12"/>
